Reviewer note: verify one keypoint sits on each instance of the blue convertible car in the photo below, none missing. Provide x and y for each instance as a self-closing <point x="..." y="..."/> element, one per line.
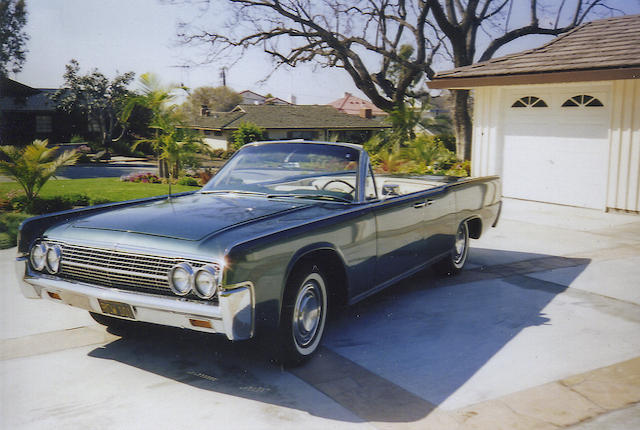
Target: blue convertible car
<point x="284" y="232"/>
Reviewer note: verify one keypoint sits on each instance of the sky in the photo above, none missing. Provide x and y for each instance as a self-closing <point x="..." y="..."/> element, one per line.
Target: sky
<point x="117" y="36"/>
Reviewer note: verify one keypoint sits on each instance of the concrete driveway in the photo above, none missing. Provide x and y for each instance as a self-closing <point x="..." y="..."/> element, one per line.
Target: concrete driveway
<point x="541" y="331"/>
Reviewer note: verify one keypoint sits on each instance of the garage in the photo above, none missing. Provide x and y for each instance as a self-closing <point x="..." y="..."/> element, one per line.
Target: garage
<point x="561" y="123"/>
<point x="556" y="151"/>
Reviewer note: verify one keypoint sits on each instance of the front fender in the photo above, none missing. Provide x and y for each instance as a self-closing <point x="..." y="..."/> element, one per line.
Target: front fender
<point x="33" y="228"/>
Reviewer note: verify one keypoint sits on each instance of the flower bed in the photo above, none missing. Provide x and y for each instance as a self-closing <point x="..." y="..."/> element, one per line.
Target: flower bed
<point x="146" y="178"/>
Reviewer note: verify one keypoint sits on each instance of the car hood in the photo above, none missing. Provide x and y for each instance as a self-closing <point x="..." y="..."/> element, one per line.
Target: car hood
<point x="191" y="217"/>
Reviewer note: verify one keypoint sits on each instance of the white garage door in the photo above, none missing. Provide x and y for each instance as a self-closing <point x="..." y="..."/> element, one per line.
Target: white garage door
<point x="556" y="153"/>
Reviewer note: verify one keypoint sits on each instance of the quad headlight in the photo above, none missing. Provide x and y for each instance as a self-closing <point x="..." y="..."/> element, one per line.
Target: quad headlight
<point x="46" y="256"/>
<point x="180" y="279"/>
<point x="54" y="255"/>
<point x="206" y="282"/>
<point x="39" y="256"/>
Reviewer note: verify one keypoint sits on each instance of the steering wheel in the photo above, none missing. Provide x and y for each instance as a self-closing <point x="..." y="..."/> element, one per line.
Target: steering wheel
<point x="353" y="189"/>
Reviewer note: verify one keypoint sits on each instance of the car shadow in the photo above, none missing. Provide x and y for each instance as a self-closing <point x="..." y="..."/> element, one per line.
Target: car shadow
<point x="406" y="350"/>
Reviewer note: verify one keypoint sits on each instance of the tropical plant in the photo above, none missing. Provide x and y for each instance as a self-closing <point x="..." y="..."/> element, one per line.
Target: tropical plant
<point x="247" y="132"/>
<point x="387" y="161"/>
<point x="403" y="120"/>
<point x="171" y="140"/>
<point x="426" y="150"/>
<point x="33" y="165"/>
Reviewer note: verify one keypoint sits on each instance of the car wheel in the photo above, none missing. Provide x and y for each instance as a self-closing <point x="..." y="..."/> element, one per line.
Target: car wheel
<point x="304" y="314"/>
<point x="115" y="325"/>
<point x="453" y="263"/>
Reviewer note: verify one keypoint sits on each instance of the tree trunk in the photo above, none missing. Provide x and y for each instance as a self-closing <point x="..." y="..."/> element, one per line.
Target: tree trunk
<point x="462" y="123"/>
<point x="162" y="168"/>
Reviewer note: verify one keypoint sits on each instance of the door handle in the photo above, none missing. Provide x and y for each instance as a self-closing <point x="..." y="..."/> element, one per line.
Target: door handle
<point x="429" y="202"/>
<point x="419" y="205"/>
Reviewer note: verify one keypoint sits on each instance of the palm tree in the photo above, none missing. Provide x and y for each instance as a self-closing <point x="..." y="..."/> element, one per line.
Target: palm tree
<point x="33" y="165"/>
<point x="171" y="140"/>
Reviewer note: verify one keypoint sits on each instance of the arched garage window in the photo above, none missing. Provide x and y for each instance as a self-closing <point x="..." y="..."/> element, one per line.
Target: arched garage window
<point x="529" y="101"/>
<point x="582" y="100"/>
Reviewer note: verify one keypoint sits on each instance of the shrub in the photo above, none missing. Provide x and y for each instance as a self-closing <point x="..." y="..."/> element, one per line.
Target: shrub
<point x="204" y="176"/>
<point x="9" y="223"/>
<point x="217" y="153"/>
<point x="43" y="205"/>
<point x="448" y="140"/>
<point x="84" y="159"/>
<point x="147" y="178"/>
<point x="189" y="181"/>
<point x="76" y="138"/>
<point x="247" y="132"/>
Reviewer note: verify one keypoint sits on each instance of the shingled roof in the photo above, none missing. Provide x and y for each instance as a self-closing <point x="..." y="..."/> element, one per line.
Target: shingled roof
<point x="600" y="50"/>
<point x="285" y="117"/>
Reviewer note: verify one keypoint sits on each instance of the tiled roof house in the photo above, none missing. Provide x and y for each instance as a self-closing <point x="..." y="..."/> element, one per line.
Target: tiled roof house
<point x="311" y="122"/>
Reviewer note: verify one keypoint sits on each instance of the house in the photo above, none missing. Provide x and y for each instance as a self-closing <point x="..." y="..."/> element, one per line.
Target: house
<point x="27" y="113"/>
<point x="310" y="122"/>
<point x="561" y="123"/>
<point x="353" y="105"/>
<point x="251" y="98"/>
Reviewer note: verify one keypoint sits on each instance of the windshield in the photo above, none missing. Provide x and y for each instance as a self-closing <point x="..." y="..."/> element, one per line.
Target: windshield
<point x="299" y="170"/>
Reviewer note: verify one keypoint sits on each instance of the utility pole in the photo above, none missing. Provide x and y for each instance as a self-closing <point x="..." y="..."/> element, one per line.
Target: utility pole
<point x="223" y="75"/>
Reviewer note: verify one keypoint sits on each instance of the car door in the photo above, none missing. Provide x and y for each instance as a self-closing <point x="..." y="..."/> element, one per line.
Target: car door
<point x="439" y="222"/>
<point x="400" y="235"/>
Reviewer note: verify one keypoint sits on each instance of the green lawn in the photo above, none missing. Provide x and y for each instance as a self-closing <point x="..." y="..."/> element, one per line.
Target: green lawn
<point x="100" y="188"/>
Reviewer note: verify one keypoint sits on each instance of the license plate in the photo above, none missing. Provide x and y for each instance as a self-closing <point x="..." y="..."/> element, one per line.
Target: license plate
<point x="116" y="308"/>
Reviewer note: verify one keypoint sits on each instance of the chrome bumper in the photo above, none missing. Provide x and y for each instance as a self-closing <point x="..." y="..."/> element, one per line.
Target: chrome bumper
<point x="233" y="315"/>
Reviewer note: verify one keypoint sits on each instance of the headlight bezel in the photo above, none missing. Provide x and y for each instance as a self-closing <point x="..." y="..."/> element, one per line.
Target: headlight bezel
<point x="39" y="267"/>
<point x="57" y="251"/>
<point x="214" y="273"/>
<point x="189" y="282"/>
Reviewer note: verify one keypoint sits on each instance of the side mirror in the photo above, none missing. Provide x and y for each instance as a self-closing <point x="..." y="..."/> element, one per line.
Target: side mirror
<point x="391" y="190"/>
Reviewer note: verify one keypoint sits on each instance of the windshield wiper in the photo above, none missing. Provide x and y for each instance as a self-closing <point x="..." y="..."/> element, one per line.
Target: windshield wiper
<point x="252" y="193"/>
<point x="312" y="197"/>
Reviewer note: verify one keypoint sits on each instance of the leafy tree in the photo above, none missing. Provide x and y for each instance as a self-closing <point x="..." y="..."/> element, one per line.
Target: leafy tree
<point x="33" y="165"/>
<point x="247" y="132"/>
<point x="95" y="96"/>
<point x="13" y="17"/>
<point x="370" y="39"/>
<point x="217" y="99"/>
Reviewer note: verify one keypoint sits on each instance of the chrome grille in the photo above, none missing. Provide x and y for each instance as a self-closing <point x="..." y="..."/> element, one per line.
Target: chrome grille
<point x="120" y="269"/>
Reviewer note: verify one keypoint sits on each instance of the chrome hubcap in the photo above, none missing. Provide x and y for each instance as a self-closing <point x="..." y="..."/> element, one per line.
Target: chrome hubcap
<point x="461" y="244"/>
<point x="307" y="313"/>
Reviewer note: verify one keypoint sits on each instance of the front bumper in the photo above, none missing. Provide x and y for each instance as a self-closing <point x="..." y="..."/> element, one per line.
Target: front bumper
<point x="233" y="315"/>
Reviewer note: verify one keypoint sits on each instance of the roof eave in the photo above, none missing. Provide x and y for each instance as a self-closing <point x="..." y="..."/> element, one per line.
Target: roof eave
<point x="550" y="77"/>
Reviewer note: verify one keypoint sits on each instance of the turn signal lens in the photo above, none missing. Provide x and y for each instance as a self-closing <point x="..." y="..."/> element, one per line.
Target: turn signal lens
<point x="180" y="278"/>
<point x="39" y="256"/>
<point x="206" y="282"/>
<point x="54" y="254"/>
